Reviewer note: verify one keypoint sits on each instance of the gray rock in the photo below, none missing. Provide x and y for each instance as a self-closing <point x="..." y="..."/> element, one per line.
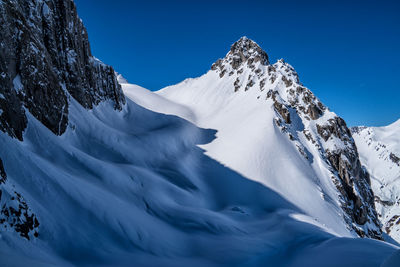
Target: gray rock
<point x="354" y="180"/>
<point x="45" y="56"/>
<point x="15" y="213"/>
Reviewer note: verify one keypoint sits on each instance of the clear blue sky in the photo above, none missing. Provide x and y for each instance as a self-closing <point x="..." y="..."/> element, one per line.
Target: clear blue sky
<point x="346" y="52"/>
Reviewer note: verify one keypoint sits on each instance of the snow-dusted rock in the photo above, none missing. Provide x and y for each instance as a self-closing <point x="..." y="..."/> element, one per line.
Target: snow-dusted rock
<point x="379" y="149"/>
<point x="244" y="85"/>
<point x="45" y="58"/>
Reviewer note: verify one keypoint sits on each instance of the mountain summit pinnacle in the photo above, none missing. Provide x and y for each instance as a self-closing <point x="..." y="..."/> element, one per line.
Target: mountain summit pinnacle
<point x="242" y="51"/>
<point x="246" y="49"/>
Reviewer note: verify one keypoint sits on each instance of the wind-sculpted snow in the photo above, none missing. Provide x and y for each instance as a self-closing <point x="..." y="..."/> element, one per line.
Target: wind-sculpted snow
<point x="379" y="149"/>
<point x="134" y="188"/>
<point x="254" y="170"/>
<point x="272" y="129"/>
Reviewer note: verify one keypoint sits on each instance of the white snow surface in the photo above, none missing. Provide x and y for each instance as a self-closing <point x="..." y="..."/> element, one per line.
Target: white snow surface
<point x="133" y="188"/>
<point x="192" y="175"/>
<point x="376" y="146"/>
<point x="248" y="142"/>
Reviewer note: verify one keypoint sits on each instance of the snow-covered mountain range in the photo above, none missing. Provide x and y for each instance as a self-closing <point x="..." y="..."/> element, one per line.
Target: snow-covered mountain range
<point x="379" y="149"/>
<point x="242" y="166"/>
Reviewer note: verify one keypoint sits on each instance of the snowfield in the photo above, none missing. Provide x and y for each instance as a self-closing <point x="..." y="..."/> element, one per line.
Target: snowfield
<point x="133" y="187"/>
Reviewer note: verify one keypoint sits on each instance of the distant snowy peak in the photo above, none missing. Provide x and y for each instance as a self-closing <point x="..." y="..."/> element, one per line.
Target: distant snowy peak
<point x="379" y="149"/>
<point x="384" y="140"/>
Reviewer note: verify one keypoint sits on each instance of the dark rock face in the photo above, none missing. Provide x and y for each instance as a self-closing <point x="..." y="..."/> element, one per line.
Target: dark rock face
<point x="3" y="175"/>
<point x="45" y="57"/>
<point x="15" y="213"/>
<point x="243" y="51"/>
<point x="247" y="50"/>
<point x="394" y="220"/>
<point x="394" y="158"/>
<point x="314" y="111"/>
<point x="354" y="180"/>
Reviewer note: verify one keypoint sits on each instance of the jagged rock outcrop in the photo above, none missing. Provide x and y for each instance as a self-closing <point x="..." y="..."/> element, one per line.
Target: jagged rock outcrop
<point x="347" y="164"/>
<point x="394" y="158"/>
<point x="45" y="57"/>
<point x="303" y="118"/>
<point x="15" y="214"/>
<point x="243" y="51"/>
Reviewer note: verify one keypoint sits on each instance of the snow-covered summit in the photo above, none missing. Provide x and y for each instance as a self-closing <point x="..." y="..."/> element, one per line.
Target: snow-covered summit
<point x="379" y="149"/>
<point x="244" y="91"/>
<point x="244" y="51"/>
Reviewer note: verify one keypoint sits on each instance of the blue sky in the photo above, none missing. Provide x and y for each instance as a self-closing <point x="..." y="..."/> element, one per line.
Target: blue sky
<point x="346" y="52"/>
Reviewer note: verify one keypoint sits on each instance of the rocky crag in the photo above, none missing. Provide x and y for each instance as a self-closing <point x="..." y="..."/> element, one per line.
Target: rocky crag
<point x="45" y="58"/>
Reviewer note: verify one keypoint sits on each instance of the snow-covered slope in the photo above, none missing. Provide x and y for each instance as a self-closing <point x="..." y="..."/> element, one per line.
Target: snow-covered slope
<point x="133" y="188"/>
<point x="89" y="179"/>
<point x="273" y="130"/>
<point x="379" y="149"/>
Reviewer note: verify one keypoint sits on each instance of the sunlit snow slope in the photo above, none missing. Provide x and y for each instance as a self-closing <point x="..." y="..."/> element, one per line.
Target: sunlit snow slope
<point x="286" y="154"/>
<point x="273" y="130"/>
<point x="379" y="149"/>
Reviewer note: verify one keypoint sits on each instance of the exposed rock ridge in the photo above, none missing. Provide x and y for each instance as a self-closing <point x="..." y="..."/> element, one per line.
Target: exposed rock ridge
<point x="308" y="123"/>
<point x="15" y="214"/>
<point x="241" y="52"/>
<point x="45" y="57"/>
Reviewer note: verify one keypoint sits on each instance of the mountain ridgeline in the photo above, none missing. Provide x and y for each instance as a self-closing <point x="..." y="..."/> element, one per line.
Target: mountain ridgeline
<point x="301" y="113"/>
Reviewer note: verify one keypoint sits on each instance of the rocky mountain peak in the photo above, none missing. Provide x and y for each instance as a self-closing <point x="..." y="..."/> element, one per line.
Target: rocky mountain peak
<point x="308" y="124"/>
<point x="243" y="52"/>
<point x="247" y="50"/>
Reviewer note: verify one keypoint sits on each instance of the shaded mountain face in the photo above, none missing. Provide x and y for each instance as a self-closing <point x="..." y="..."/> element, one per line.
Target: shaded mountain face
<point x="316" y="132"/>
<point x="379" y="149"/>
<point x="14" y="211"/>
<point x="45" y="58"/>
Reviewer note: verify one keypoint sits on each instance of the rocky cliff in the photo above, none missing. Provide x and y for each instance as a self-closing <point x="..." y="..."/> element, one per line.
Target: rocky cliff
<point x="15" y="214"/>
<point x="45" y="59"/>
